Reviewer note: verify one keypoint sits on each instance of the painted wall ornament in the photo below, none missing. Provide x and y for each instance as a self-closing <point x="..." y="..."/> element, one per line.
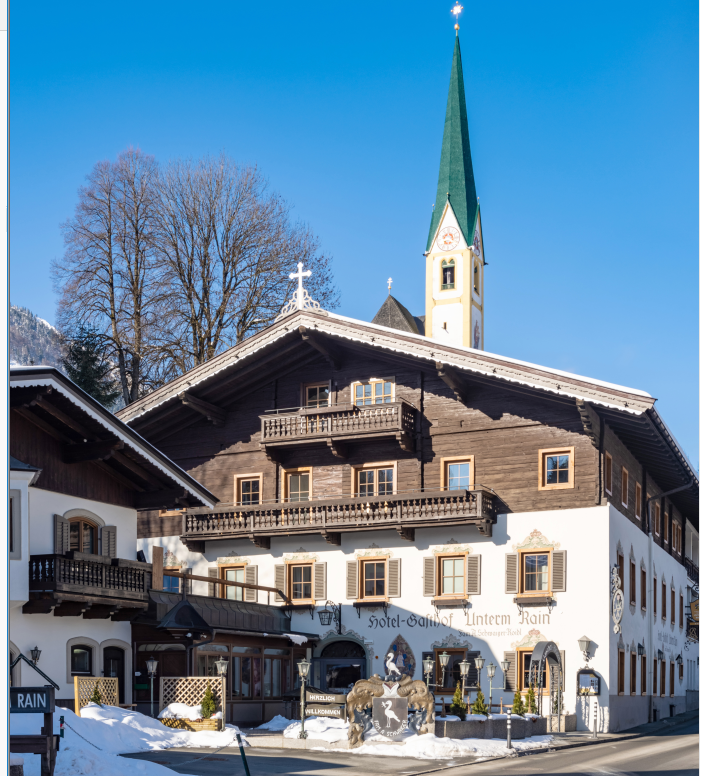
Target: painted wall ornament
<point x="535" y="541"/>
<point x="362" y="714"/>
<point x="399" y="659"/>
<point x="617" y="600"/>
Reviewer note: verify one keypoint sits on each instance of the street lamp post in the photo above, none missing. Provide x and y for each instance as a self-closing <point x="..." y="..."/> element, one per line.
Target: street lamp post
<point x="585" y="646"/>
<point x="151" y="666"/>
<point x="491" y="670"/>
<point x="222" y="666"/>
<point x="303" y="668"/>
<point x="429" y="664"/>
<point x="464" y="668"/>
<point x="36" y="654"/>
<point x="479" y="665"/>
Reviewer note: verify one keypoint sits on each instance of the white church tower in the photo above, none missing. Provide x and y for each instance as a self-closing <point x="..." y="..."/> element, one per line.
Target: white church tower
<point x="455" y="251"/>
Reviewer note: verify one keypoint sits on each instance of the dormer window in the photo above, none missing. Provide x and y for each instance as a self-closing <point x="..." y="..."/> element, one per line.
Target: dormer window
<point x="447" y="274"/>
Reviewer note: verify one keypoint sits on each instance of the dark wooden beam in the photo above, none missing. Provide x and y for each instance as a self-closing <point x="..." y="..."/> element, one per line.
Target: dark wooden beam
<point x="215" y="415"/>
<point x="67" y="420"/>
<point x="47" y="428"/>
<point x="139" y="471"/>
<point x="91" y="451"/>
<point x="72" y="608"/>
<point x="321" y="345"/>
<point x="104" y="465"/>
<point x="25" y="397"/>
<point x="331" y="537"/>
<point x="453" y="381"/>
<point x="589" y="418"/>
<point x="339" y="449"/>
<point x="260" y="541"/>
<point x="162" y="499"/>
<point x="101" y="611"/>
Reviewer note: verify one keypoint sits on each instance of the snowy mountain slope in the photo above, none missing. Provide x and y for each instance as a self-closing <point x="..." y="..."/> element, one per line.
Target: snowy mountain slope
<point x="33" y="340"/>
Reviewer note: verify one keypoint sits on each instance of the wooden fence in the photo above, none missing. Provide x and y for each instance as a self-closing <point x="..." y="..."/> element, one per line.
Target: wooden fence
<point x="84" y="686"/>
<point x="191" y="689"/>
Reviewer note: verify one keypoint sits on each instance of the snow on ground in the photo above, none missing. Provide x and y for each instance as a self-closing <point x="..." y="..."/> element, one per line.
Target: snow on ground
<point x="115" y="731"/>
<point x="425" y="747"/>
<point x="183" y="711"/>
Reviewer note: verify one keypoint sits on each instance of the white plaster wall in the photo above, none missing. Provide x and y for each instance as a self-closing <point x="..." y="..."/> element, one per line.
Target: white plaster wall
<point x="44" y="504"/>
<point x="452" y="316"/>
<point x="582" y="610"/>
<point x="19" y="576"/>
<point x="627" y="710"/>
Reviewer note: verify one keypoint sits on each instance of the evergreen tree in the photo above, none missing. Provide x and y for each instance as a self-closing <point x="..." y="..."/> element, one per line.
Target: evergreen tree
<point x="96" y="697"/>
<point x="518" y="707"/>
<point x="87" y="365"/>
<point x="458" y="706"/>
<point x="530" y="700"/>
<point x="479" y="706"/>
<point x="209" y="704"/>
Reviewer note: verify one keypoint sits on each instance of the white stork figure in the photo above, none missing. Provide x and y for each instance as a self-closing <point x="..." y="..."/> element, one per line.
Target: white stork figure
<point x="391" y="666"/>
<point x="389" y="713"/>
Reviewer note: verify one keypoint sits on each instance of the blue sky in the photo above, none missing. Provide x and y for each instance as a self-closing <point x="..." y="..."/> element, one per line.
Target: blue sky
<point x="584" y="132"/>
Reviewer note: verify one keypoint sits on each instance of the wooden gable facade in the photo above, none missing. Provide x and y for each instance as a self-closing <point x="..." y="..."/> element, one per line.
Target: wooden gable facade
<point x="244" y="417"/>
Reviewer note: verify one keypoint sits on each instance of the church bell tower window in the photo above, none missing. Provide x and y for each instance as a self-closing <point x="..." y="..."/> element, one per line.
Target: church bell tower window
<point x="476" y="279"/>
<point x="447" y="274"/>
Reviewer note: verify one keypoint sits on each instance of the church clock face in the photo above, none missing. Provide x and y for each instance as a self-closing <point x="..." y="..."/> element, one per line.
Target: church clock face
<point x="448" y="238"/>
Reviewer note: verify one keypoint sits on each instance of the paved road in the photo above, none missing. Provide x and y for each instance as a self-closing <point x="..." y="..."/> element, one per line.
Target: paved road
<point x="667" y="753"/>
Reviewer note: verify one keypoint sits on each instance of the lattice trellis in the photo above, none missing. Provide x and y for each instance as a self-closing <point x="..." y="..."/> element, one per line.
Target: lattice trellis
<point x="84" y="686"/>
<point x="191" y="689"/>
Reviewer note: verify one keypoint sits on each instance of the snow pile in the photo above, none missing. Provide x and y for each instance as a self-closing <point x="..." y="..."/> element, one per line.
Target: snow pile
<point x="429" y="747"/>
<point x="297" y="638"/>
<point x="183" y="711"/>
<point x="320" y="728"/>
<point x="115" y="731"/>
<point x="276" y="723"/>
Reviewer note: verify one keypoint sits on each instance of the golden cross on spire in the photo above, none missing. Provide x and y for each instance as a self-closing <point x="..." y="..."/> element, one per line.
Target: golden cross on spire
<point x="389" y="284"/>
<point x="456" y="12"/>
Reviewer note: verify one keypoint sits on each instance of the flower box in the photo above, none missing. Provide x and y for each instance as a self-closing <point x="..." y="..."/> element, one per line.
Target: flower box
<point x="194" y="725"/>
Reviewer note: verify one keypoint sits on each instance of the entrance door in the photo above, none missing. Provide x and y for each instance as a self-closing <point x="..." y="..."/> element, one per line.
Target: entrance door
<point x="113" y="658"/>
<point x="342" y="664"/>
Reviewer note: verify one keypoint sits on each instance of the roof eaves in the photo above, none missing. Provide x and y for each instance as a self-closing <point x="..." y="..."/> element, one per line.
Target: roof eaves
<point x="21" y="378"/>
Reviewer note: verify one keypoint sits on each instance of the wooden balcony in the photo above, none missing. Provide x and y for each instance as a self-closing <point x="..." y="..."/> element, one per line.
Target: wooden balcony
<point x="338" y="426"/>
<point x="692" y="570"/>
<point x="94" y="586"/>
<point x="332" y="517"/>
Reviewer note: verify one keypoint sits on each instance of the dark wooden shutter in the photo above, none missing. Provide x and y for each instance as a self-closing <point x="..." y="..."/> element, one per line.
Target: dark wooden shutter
<point x="512" y="572"/>
<point x="429" y="575"/>
<point x="319" y="582"/>
<point x="474" y="574"/>
<point x="109" y="541"/>
<point x="394" y="578"/>
<point x="251" y="578"/>
<point x="510" y="678"/>
<point x="280" y="580"/>
<point x="187" y="582"/>
<point x="559" y="571"/>
<point x="211" y="587"/>
<point x="62" y="535"/>
<point x="351" y="579"/>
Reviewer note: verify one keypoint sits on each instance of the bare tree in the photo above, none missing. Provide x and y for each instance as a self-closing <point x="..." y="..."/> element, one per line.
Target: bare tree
<point x="226" y="247"/>
<point x="107" y="277"/>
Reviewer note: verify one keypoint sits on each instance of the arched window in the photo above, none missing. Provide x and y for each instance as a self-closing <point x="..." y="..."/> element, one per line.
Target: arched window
<point x="447" y="274"/>
<point x="347" y="649"/>
<point x="81" y="660"/>
<point x="83" y="535"/>
<point x="476" y="278"/>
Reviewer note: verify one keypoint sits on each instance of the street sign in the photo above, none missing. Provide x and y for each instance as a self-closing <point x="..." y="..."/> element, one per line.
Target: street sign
<point x="32" y="700"/>
<point x="314" y="696"/>
<point x="335" y="710"/>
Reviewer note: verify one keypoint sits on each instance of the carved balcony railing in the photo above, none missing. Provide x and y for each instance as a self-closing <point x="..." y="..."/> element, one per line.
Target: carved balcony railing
<point x="332" y="517"/>
<point x="692" y="570"/>
<point x="339" y="425"/>
<point x="77" y="582"/>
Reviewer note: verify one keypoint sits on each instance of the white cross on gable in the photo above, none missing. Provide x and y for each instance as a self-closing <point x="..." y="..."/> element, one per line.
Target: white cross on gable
<point x="299" y="276"/>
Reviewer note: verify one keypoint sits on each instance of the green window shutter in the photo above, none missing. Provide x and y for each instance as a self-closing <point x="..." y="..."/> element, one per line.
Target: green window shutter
<point x="211" y="587"/>
<point x="394" y="578"/>
<point x="280" y="580"/>
<point x="511" y="675"/>
<point x="351" y="579"/>
<point x="319" y="582"/>
<point x="512" y="573"/>
<point x="429" y="575"/>
<point x="559" y="571"/>
<point x="251" y="578"/>
<point x="474" y="575"/>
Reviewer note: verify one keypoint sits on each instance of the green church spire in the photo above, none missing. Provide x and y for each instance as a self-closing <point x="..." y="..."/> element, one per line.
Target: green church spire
<point x="456" y="181"/>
